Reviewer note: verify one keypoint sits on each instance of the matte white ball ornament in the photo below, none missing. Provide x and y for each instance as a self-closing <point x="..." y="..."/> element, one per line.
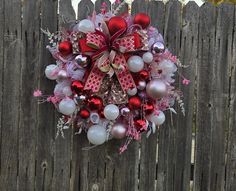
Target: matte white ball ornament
<point x="111" y="112"/>
<point x="97" y="134"/>
<point x="51" y="71"/>
<point x="135" y="64"/>
<point x="85" y="26"/>
<point x="67" y="91"/>
<point x="157" y="119"/>
<point x="156" y="88"/>
<point x="147" y="57"/>
<point x="132" y="92"/>
<point x="67" y="106"/>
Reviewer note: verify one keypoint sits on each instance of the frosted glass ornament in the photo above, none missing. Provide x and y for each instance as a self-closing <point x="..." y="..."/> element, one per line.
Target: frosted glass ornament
<point x="147" y="57"/>
<point x="51" y="71"/>
<point x="158" y="119"/>
<point x="135" y="64"/>
<point x="67" y="106"/>
<point x="85" y="26"/>
<point x="97" y="134"/>
<point x="111" y="112"/>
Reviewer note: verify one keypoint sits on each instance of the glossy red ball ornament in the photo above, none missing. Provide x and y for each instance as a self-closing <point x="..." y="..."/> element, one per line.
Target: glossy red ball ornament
<point x="142" y="19"/>
<point x="143" y="75"/>
<point x="77" y="87"/>
<point x="116" y="24"/>
<point x="84" y="113"/>
<point x="134" y="102"/>
<point x="140" y="124"/>
<point x="65" y="48"/>
<point x="148" y="108"/>
<point x="95" y="103"/>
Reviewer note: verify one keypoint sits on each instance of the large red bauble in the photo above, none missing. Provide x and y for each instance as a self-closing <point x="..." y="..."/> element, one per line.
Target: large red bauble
<point x="140" y="124"/>
<point x="95" y="103"/>
<point x="116" y="24"/>
<point x="77" y="87"/>
<point x="143" y="74"/>
<point x="65" y="48"/>
<point x="142" y="19"/>
<point x="148" y="108"/>
<point x="134" y="102"/>
<point x="84" y="113"/>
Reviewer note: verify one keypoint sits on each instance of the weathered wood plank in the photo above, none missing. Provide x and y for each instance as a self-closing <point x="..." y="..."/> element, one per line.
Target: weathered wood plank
<point x="138" y="6"/>
<point x="85" y="9"/>
<point x="28" y="106"/>
<point x="204" y="117"/>
<point x="230" y="183"/>
<point x="46" y="123"/>
<point x="122" y="10"/>
<point x="11" y="95"/>
<point x="99" y="3"/>
<point x="183" y="136"/>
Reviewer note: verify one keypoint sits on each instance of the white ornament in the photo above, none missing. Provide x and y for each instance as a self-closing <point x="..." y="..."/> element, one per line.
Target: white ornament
<point x="111" y="112"/>
<point x="67" y="91"/>
<point x="94" y="118"/>
<point x="167" y="66"/>
<point x="135" y="64"/>
<point x="157" y="119"/>
<point x="147" y="57"/>
<point x="85" y="26"/>
<point x="141" y="85"/>
<point x="51" y="71"/>
<point x="132" y="92"/>
<point x="97" y="134"/>
<point x="67" y="106"/>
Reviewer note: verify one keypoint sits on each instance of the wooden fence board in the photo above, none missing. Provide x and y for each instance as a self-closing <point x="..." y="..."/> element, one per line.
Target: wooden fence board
<point x="85" y="9"/>
<point x="11" y="92"/>
<point x="46" y="127"/>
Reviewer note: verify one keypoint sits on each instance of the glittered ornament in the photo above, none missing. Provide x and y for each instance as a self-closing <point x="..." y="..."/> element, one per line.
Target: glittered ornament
<point x="140" y="124"/>
<point x="134" y="102"/>
<point x="95" y="103"/>
<point x="118" y="130"/>
<point x="116" y="24"/>
<point x="84" y="113"/>
<point x="65" y="48"/>
<point x="156" y="88"/>
<point x="142" y="19"/>
<point x="77" y="87"/>
<point x="158" y="47"/>
<point x="135" y="64"/>
<point x="148" y="108"/>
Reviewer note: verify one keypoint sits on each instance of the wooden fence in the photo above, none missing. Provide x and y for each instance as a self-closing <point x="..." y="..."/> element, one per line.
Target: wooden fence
<point x="31" y="157"/>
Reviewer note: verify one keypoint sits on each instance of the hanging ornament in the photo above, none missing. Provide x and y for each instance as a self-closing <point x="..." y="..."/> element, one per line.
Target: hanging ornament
<point x="132" y="91"/>
<point x="142" y="19"/>
<point x="134" y="102"/>
<point x="84" y="113"/>
<point x="111" y="112"/>
<point x="97" y="134"/>
<point x="77" y="87"/>
<point x="67" y="91"/>
<point x="51" y="71"/>
<point x="67" y="106"/>
<point x="158" y="47"/>
<point x="158" y="117"/>
<point x="125" y="111"/>
<point x="135" y="64"/>
<point x="95" y="103"/>
<point x="148" y="108"/>
<point x="141" y="85"/>
<point x="148" y="57"/>
<point x="116" y="24"/>
<point x="81" y="60"/>
<point x="156" y="88"/>
<point x="65" y="48"/>
<point x="118" y="130"/>
<point x="62" y="74"/>
<point x="140" y="124"/>
<point x="143" y="75"/>
<point x="85" y="26"/>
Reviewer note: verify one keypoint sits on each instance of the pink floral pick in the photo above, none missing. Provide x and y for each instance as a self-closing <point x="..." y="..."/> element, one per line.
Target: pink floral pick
<point x="185" y="81"/>
<point x="37" y="93"/>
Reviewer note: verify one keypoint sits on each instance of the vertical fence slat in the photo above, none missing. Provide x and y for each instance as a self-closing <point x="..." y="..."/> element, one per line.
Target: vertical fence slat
<point x="46" y="113"/>
<point x="204" y="100"/>
<point x="11" y="95"/>
<point x="29" y="71"/>
<point x="98" y="5"/>
<point x="85" y="9"/>
<point x="231" y="151"/>
<point x="183" y="136"/>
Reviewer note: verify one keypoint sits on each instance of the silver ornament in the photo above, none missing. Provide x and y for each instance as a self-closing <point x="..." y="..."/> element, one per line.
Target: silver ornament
<point x="125" y="111"/>
<point x="141" y="85"/>
<point x="62" y="74"/>
<point x="156" y="88"/>
<point x="158" y="47"/>
<point x="81" y="60"/>
<point x="118" y="131"/>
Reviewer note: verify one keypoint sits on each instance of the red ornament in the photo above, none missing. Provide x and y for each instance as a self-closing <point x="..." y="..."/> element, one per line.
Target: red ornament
<point x="95" y="103"/>
<point x="143" y="74"/>
<point x="101" y="113"/>
<point x="148" y="108"/>
<point x="77" y="87"/>
<point x="84" y="113"/>
<point x="142" y="19"/>
<point x="65" y="48"/>
<point x="140" y="124"/>
<point x="116" y="24"/>
<point x="134" y="102"/>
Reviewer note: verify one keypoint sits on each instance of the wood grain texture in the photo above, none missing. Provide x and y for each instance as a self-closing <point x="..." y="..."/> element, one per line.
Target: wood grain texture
<point x="11" y="95"/>
<point x="85" y="9"/>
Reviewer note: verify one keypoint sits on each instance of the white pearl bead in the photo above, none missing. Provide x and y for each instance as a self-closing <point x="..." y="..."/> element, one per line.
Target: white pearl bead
<point x="51" y="71"/>
<point x="135" y="64"/>
<point x="97" y="134"/>
<point x="85" y="26"/>
<point x="111" y="112"/>
<point x="67" y="106"/>
<point x="158" y="119"/>
<point x="147" y="57"/>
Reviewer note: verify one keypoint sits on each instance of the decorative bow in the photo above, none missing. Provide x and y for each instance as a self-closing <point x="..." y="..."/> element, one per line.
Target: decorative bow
<point x="108" y="57"/>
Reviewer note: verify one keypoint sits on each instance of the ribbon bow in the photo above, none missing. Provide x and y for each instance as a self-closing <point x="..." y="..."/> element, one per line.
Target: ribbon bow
<point x="108" y="57"/>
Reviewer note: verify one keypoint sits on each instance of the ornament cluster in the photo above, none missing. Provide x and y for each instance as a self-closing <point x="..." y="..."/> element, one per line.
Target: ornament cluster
<point x="114" y="77"/>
